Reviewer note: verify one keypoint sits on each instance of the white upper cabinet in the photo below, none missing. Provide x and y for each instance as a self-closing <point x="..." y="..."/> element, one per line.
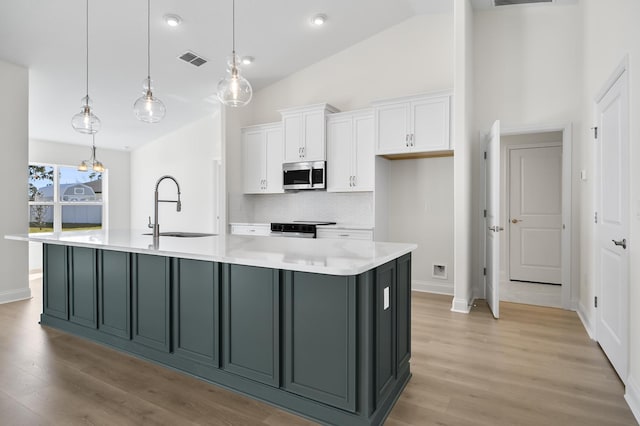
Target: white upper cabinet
<point x="350" y="151"/>
<point x="411" y="125"/>
<point x="304" y="132"/>
<point x="262" y="159"/>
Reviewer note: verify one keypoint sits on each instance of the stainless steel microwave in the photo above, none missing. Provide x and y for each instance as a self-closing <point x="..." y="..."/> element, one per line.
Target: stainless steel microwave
<point x="304" y="175"/>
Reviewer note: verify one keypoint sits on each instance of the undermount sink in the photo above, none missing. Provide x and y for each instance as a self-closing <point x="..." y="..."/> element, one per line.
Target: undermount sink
<point x="183" y="234"/>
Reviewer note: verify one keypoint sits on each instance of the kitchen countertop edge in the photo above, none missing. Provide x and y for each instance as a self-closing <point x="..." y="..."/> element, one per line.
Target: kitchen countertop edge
<point x="245" y="250"/>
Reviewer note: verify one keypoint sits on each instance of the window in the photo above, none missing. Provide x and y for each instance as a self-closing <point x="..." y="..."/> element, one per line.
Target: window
<point x="62" y="198"/>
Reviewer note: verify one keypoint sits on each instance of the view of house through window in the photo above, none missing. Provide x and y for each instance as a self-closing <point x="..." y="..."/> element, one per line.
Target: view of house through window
<point x="62" y="198"/>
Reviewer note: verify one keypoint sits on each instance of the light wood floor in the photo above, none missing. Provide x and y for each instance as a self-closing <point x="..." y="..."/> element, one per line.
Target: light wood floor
<point x="534" y="366"/>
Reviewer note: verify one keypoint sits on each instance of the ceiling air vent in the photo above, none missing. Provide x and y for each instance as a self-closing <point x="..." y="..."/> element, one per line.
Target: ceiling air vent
<point x="512" y="2"/>
<point x="192" y="58"/>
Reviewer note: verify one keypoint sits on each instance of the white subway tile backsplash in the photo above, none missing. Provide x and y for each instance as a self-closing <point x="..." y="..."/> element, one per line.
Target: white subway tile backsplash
<point x="355" y="208"/>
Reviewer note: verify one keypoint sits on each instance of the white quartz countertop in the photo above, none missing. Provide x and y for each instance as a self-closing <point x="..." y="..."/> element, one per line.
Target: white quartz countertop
<point x="323" y="256"/>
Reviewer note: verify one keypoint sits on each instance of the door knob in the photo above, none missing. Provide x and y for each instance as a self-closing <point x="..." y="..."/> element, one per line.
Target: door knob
<point x="515" y="221"/>
<point x="622" y="243"/>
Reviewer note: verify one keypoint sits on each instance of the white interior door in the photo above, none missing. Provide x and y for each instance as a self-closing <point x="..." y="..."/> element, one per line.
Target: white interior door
<point x="535" y="209"/>
<point x="612" y="227"/>
<point x="493" y="228"/>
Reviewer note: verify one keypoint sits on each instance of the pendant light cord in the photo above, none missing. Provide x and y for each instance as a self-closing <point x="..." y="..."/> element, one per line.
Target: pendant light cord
<point x="149" y="43"/>
<point x="233" y="35"/>
<point x="87" y="46"/>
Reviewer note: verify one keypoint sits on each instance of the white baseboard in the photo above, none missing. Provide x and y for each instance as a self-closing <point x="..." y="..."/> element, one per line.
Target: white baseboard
<point x="586" y="320"/>
<point x="632" y="396"/>
<point x="432" y="287"/>
<point x="15" y="295"/>
<point x="461" y="305"/>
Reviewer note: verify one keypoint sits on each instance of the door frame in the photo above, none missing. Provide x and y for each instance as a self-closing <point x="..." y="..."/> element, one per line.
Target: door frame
<point x="505" y="174"/>
<point x="569" y="290"/>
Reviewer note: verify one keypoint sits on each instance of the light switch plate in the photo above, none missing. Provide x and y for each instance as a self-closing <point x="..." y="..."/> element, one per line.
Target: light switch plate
<point x="386" y="298"/>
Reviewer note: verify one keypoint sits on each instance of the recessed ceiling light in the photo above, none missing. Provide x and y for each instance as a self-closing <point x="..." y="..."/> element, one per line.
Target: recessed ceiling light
<point x="247" y="60"/>
<point x="172" y="20"/>
<point x="319" y="19"/>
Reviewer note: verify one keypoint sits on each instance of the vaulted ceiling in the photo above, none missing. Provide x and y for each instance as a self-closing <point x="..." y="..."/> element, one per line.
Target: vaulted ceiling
<point x="48" y="37"/>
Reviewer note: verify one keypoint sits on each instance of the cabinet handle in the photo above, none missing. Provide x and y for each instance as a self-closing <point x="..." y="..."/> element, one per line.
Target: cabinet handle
<point x="350" y="180"/>
<point x="355" y="181"/>
<point x="265" y="184"/>
<point x="303" y="153"/>
<point x="344" y="235"/>
<point x="406" y="140"/>
<point x="413" y="139"/>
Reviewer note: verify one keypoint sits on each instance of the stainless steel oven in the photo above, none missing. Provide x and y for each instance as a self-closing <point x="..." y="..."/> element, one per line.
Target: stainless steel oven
<point x="304" y="175"/>
<point x="297" y="229"/>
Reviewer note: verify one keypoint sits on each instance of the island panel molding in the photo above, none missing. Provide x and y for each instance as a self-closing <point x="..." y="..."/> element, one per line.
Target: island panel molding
<point x="333" y="348"/>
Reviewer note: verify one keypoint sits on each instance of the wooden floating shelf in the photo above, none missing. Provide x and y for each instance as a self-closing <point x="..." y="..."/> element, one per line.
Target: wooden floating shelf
<point x="414" y="155"/>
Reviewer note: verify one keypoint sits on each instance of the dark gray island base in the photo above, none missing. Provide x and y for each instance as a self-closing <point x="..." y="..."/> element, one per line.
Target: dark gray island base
<point x="332" y="348"/>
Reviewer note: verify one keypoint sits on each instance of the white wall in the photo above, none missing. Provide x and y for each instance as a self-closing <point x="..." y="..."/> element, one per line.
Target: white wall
<point x="415" y="56"/>
<point x="425" y="200"/>
<point x="191" y="155"/>
<point x="463" y="113"/>
<point x="528" y="68"/>
<point x="14" y="122"/>
<point x="609" y="34"/>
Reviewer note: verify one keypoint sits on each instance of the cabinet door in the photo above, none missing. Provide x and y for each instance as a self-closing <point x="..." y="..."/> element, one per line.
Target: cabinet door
<point x="251" y="304"/>
<point x="292" y="125"/>
<point x="83" y="287"/>
<point x="254" y="161"/>
<point x="196" y="310"/>
<point x="385" y="330"/>
<point x="403" y="312"/>
<point x="114" y="293"/>
<point x="151" y="298"/>
<point x="430" y="124"/>
<point x="314" y="148"/>
<point x="363" y="154"/>
<point x="273" y="161"/>
<point x="320" y="338"/>
<point x="392" y="124"/>
<point x="339" y="153"/>
<point x="55" y="288"/>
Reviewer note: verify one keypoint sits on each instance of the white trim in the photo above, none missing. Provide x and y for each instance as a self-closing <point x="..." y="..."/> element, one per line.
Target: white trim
<point x="432" y="287"/>
<point x="505" y="173"/>
<point x="570" y="291"/>
<point x="461" y="306"/>
<point x="632" y="396"/>
<point x="586" y="320"/>
<point x="617" y="72"/>
<point x="15" y="295"/>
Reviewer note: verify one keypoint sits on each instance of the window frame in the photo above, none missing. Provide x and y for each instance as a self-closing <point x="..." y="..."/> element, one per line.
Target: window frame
<point x="57" y="203"/>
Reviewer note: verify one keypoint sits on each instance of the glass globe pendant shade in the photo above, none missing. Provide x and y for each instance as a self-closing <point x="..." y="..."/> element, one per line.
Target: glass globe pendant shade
<point x="147" y="107"/>
<point x="234" y="90"/>
<point x="83" y="167"/>
<point x="86" y="121"/>
<point x="98" y="167"/>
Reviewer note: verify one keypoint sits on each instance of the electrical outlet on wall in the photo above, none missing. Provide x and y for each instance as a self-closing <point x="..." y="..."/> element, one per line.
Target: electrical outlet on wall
<point x="439" y="271"/>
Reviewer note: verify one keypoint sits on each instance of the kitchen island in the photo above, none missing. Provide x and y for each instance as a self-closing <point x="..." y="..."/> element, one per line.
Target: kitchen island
<point x="321" y="328"/>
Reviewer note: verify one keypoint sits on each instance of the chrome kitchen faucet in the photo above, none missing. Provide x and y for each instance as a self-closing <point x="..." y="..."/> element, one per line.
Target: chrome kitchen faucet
<point x="155" y="226"/>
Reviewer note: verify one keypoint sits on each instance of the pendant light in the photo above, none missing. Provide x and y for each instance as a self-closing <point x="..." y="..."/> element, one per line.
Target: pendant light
<point x="92" y="163"/>
<point x="148" y="108"/>
<point x="86" y="121"/>
<point x="234" y="90"/>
